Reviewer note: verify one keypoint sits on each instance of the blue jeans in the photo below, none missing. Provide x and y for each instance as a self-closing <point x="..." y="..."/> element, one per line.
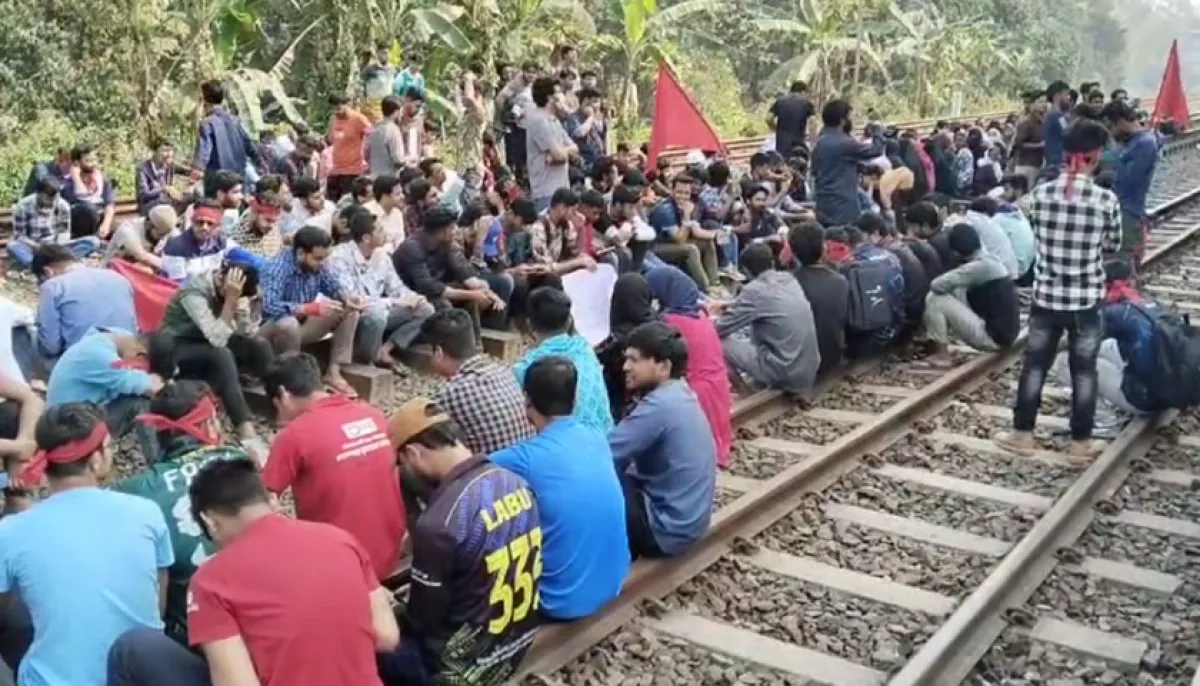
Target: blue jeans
<point x="21" y="252"/>
<point x="404" y="666"/>
<point x="146" y="657"/>
<point x="1085" y="331"/>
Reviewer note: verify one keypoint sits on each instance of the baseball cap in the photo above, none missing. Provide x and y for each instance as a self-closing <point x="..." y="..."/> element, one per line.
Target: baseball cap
<point x="412" y="418"/>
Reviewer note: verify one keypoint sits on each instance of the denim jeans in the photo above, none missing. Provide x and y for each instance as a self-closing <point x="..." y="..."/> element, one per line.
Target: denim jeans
<point x="21" y="252"/>
<point x="1085" y="331"/>
<point x="146" y="657"/>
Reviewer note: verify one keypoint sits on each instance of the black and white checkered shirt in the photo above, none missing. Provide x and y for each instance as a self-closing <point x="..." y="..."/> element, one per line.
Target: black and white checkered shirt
<point x="1075" y="222"/>
<point x="487" y="403"/>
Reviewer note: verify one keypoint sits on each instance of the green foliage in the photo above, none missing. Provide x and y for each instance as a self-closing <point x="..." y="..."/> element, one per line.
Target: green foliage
<point x="714" y="87"/>
<point x="21" y="146"/>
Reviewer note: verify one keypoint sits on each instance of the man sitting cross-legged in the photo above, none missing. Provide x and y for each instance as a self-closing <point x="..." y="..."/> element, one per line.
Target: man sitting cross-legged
<point x="213" y="319"/>
<point x="43" y="218"/>
<point x="333" y="452"/>
<point x="281" y="602"/>
<point x="392" y="316"/>
<point x="189" y="436"/>
<point x="303" y="301"/>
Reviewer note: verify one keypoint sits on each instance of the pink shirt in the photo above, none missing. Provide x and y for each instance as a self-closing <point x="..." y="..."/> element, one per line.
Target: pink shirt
<point x="708" y="377"/>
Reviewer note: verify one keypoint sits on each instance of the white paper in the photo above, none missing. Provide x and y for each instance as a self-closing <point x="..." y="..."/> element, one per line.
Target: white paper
<point x="591" y="299"/>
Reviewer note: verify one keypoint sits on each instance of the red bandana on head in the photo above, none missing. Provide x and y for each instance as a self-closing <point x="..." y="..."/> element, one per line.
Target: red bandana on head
<point x="64" y="454"/>
<point x="211" y="215"/>
<point x="264" y="210"/>
<point x="1076" y="162"/>
<point x="195" y="423"/>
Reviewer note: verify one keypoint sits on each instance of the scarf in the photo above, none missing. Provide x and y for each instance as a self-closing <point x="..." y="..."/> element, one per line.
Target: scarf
<point x="675" y="291"/>
<point x="632" y="304"/>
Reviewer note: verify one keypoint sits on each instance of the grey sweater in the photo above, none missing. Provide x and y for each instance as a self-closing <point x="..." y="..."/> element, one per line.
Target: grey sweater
<point x="781" y="325"/>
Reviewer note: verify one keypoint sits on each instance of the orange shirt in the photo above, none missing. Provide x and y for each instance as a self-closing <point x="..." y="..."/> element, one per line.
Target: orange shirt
<point x="348" y="134"/>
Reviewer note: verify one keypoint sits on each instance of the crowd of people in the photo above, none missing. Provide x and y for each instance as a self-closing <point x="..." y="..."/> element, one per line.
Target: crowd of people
<point x="513" y="497"/>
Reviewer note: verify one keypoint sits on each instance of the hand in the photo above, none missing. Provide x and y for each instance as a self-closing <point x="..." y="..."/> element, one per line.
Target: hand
<point x="173" y="193"/>
<point x="497" y="303"/>
<point x="156" y="383"/>
<point x="235" y="282"/>
<point x="589" y="263"/>
<point x="321" y="309"/>
<point x="357" y="302"/>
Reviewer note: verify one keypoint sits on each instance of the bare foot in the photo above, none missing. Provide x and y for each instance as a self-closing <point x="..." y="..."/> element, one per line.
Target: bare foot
<point x="1019" y="442"/>
<point x="385" y="359"/>
<point x="338" y="383"/>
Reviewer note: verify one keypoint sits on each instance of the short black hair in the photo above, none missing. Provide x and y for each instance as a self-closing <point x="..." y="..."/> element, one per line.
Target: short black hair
<point x="225" y="180"/>
<point x="360" y="186"/>
<point x="939" y="200"/>
<point x="438" y="218"/>
<point x="1018" y="182"/>
<point x="390" y="105"/>
<point x="798" y="87"/>
<point x="1118" y="93"/>
<point x="338" y="99"/>
<point x="542" y="90"/>
<point x="549" y="310"/>
<point x="417" y="190"/>
<point x="588" y="94"/>
<point x="835" y="112"/>
<point x="81" y="150"/>
<point x="305" y="187"/>
<point x="213" y="92"/>
<point x="451" y="330"/>
<point x="871" y="224"/>
<point x="268" y="183"/>
<point x="923" y="213"/>
<point x="760" y="159"/>
<point x="384" y="184"/>
<point x="624" y="195"/>
<point x="297" y="372"/>
<point x="48" y="255"/>
<point x="963" y="239"/>
<point x="564" y="196"/>
<point x="1085" y="136"/>
<point x="756" y="259"/>
<point x="1057" y="87"/>
<point x="175" y="400"/>
<point x="1119" y="110"/>
<point x="854" y="236"/>
<point x="225" y="487"/>
<point x="591" y="198"/>
<point x="807" y="241"/>
<point x="309" y="238"/>
<point x="550" y="386"/>
<point x="426" y="165"/>
<point x="662" y="343"/>
<point x="525" y="210"/>
<point x="47" y="185"/>
<point x="985" y="204"/>
<point x="62" y="424"/>
<point x="718" y="174"/>
<point x="360" y="224"/>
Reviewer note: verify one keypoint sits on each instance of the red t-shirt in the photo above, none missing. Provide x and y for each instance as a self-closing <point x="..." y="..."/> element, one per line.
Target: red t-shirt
<point x="298" y="593"/>
<point x="338" y="461"/>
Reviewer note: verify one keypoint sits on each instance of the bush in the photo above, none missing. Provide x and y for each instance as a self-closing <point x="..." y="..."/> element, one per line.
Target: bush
<point x="22" y="144"/>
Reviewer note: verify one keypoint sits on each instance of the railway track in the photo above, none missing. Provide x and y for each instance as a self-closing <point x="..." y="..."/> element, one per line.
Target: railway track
<point x="877" y="536"/>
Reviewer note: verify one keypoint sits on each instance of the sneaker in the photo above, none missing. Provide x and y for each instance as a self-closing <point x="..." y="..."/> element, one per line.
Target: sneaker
<point x="1018" y="442"/>
<point x="1083" y="452"/>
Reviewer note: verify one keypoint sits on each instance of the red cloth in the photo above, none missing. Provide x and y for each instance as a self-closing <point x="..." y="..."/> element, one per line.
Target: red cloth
<point x="1172" y="102"/>
<point x="708" y="377"/>
<point x="927" y="163"/>
<point x="297" y="593"/>
<point x="338" y="461"/>
<point x="677" y="120"/>
<point x="151" y="293"/>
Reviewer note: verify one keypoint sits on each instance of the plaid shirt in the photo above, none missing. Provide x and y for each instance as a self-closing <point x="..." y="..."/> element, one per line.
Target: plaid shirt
<point x="266" y="244"/>
<point x="1075" y="223"/>
<point x="34" y="223"/>
<point x="487" y="403"/>
<point x="553" y="243"/>
<point x="287" y="287"/>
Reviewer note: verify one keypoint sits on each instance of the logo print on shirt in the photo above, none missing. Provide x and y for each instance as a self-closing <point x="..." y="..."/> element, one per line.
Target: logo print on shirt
<point x="359" y="428"/>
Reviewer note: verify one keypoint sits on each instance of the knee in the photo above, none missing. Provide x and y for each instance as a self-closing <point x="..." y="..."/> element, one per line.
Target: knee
<point x="374" y="319"/>
<point x="133" y="644"/>
<point x="286" y="334"/>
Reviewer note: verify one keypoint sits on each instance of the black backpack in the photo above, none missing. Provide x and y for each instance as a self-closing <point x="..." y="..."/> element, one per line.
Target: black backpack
<point x="1176" y="379"/>
<point x="869" y="309"/>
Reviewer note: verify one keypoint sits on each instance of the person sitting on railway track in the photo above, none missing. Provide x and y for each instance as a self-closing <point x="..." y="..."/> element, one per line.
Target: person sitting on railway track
<point x="975" y="302"/>
<point x="550" y="319"/>
<point x="44" y="218"/>
<point x="555" y="245"/>
<point x="334" y="455"/>
<point x="74" y="298"/>
<point x="1012" y="220"/>
<point x="981" y="214"/>
<point x="58" y="167"/>
<point x="190" y="436"/>
<point x="303" y="301"/>
<point x="579" y="499"/>
<point x="826" y="291"/>
<point x="20" y="409"/>
<point x="1076" y="223"/>
<point x="916" y="282"/>
<point x="155" y="179"/>
<point x="663" y="449"/>
<point x="121" y="540"/>
<point x="681" y="305"/>
<point x="781" y="350"/>
<point x="480" y="515"/>
<point x="632" y="305"/>
<point x="228" y="192"/>
<point x="257" y="230"/>
<point x="213" y="320"/>
<point x="141" y="240"/>
<point x="388" y="205"/>
<point x="680" y="239"/>
<point x="875" y="310"/>
<point x="392" y="316"/>
<point x="91" y="195"/>
<point x="200" y="248"/>
<point x="310" y="207"/>
<point x="335" y="615"/>
<point x="915" y="235"/>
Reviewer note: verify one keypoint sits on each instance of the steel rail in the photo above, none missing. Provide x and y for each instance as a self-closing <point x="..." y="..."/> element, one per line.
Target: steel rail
<point x="558" y="645"/>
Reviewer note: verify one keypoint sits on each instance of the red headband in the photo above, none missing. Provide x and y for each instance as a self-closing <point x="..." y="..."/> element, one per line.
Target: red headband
<point x="1075" y="162"/>
<point x="264" y="210"/>
<point x="64" y="454"/>
<point x="194" y="423"/>
<point x="211" y="215"/>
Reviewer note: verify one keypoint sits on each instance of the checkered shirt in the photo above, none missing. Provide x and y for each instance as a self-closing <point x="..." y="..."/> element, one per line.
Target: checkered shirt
<point x="30" y="222"/>
<point x="1075" y="223"/>
<point x="486" y="402"/>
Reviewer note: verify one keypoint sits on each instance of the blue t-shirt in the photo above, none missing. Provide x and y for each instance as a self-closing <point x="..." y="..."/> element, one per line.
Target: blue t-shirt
<point x="585" y="551"/>
<point x="1054" y="133"/>
<point x="664" y="218"/>
<point x="85" y="562"/>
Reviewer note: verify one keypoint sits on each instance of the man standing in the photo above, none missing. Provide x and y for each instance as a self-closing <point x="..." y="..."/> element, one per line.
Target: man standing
<point x="588" y="128"/>
<point x="224" y="144"/>
<point x="1058" y="95"/>
<point x="1029" y="143"/>
<point x="385" y="145"/>
<point x="789" y="118"/>
<point x="1135" y="171"/>
<point x="1076" y="222"/>
<point x="836" y="160"/>
<point x="348" y="130"/>
<point x="548" y="147"/>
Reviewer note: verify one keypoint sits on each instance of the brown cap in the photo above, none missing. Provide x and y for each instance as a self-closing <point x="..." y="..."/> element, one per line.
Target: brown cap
<point x="412" y="418"/>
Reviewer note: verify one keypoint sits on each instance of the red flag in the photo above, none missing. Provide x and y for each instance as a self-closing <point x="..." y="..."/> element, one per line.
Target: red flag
<point x="677" y="119"/>
<point x="151" y="293"/>
<point x="1172" y="102"/>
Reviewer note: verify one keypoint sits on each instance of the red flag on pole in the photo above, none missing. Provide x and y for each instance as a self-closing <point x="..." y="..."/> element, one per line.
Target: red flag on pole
<point x="677" y="119"/>
<point x="1172" y="102"/>
<point x="151" y="293"/>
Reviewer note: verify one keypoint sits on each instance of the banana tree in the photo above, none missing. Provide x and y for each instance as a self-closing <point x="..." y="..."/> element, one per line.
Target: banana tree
<point x="511" y="29"/>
